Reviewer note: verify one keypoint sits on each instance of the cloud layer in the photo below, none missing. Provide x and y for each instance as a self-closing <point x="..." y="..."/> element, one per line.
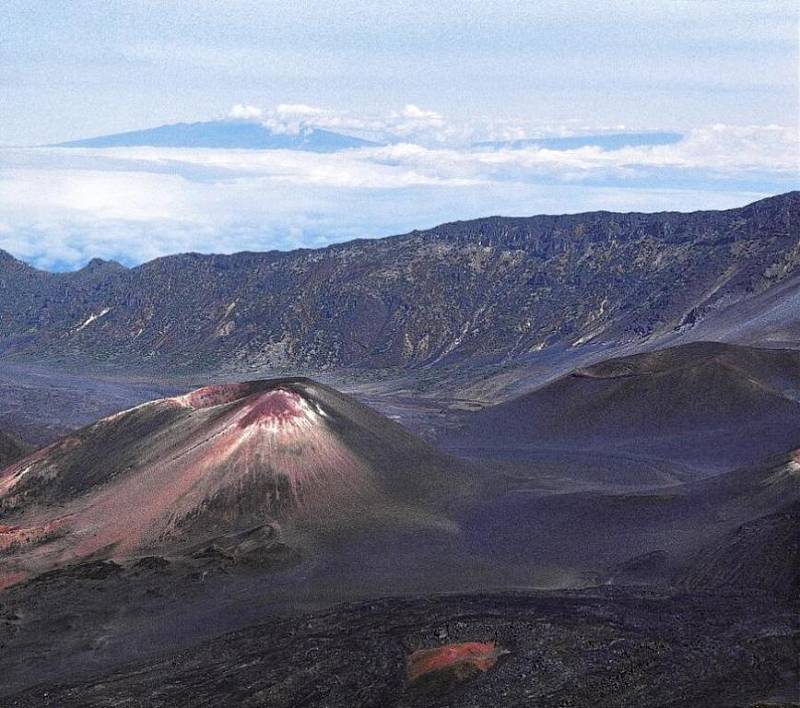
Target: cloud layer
<point x="61" y="207"/>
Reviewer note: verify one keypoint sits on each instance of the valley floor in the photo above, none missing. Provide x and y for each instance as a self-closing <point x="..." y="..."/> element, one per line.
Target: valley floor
<point x="627" y="532"/>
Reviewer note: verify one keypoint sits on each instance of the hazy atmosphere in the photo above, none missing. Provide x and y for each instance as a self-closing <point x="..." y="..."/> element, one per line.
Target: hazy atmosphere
<point x="458" y="106"/>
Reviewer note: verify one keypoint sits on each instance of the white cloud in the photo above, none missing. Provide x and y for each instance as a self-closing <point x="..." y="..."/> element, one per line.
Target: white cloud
<point x="412" y="111"/>
<point x="244" y="112"/>
<point x="412" y="123"/>
<point x="299" y="109"/>
<point x="60" y="207"/>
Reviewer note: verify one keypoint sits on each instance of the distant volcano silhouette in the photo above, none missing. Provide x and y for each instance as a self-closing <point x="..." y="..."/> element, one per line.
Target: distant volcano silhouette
<point x="230" y="134"/>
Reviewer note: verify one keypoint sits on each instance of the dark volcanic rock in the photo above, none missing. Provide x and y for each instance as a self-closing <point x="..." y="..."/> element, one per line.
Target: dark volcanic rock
<point x="586" y="649"/>
<point x="771" y="318"/>
<point x="763" y="554"/>
<point x="495" y="286"/>
<point x="11" y="449"/>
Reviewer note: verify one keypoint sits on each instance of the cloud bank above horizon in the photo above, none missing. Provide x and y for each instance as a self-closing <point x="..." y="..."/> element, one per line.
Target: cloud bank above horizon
<point x="453" y="91"/>
<point x="76" y="68"/>
<point x="60" y="207"/>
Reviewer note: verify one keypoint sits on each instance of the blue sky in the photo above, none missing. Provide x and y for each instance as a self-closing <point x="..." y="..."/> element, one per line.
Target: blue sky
<point x="439" y="75"/>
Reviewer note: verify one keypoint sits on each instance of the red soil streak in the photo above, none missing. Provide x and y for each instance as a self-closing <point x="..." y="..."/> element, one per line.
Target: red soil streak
<point x="19" y="536"/>
<point x="459" y="658"/>
<point x="215" y="395"/>
<point x="277" y="406"/>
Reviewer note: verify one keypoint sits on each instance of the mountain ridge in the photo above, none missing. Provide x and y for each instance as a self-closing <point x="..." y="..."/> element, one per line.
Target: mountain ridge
<point x="449" y="227"/>
<point x="496" y="287"/>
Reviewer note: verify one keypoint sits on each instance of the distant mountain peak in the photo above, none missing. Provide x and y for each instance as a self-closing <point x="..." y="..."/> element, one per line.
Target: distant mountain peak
<point x="230" y="134"/>
<point x="101" y="264"/>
